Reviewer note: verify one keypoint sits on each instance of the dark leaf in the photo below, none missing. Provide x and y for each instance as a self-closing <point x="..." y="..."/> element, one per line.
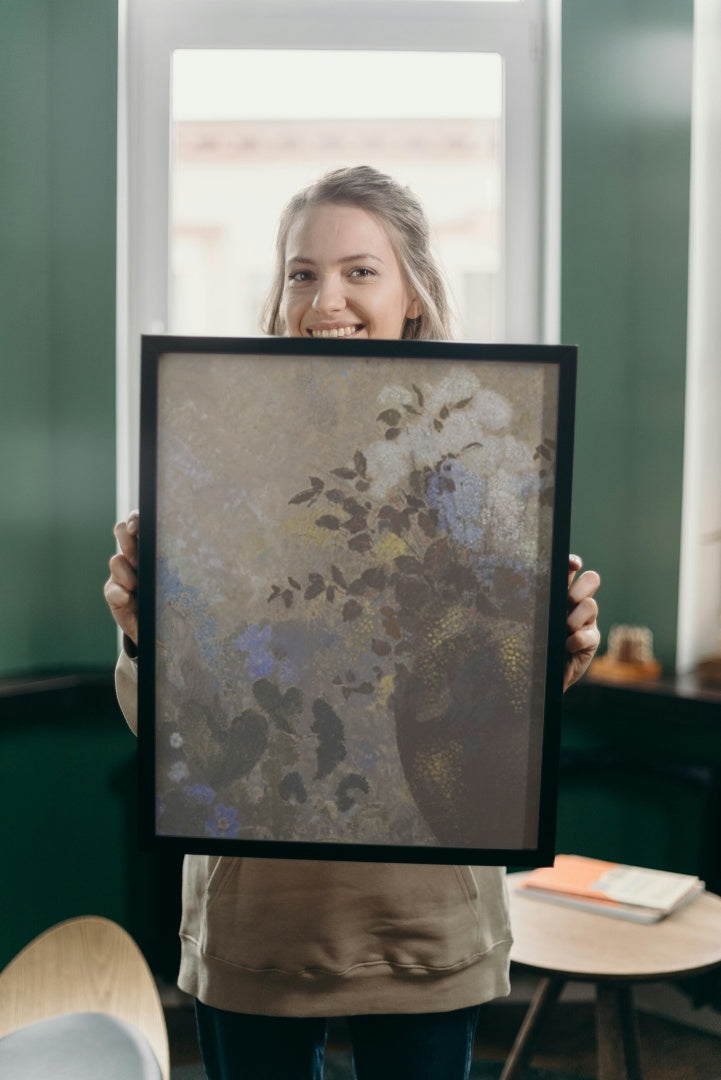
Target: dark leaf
<point x="274" y="593"/>
<point x="353" y="782"/>
<point x="346" y="692"/>
<point x="292" y="787"/>
<point x="380" y="648"/>
<point x="287" y="595"/>
<point x="408" y="564"/>
<point x="393" y="433"/>
<point x="438" y="557"/>
<point x="544" y="452"/>
<point x="330" y="594"/>
<point x="415" y="502"/>
<point x="446" y="483"/>
<point x="313" y="590"/>
<point x="356" y="588"/>
<point x="294" y="583"/>
<point x="303" y="496"/>
<point x="313" y="577"/>
<point x="391" y="624"/>
<point x="463" y="403"/>
<point x="249" y="742"/>
<point x="292" y="702"/>
<point x="389" y="417"/>
<point x="444" y="413"/>
<point x="356" y="524"/>
<point x="337" y="576"/>
<point x="374" y="577"/>
<point x="328" y="521"/>
<point x="471" y="444"/>
<point x="361" y="542"/>
<point x="418" y="394"/>
<point x="428" y="523"/>
<point x="328" y="726"/>
<point x="351" y="610"/>
<point x="267" y="694"/>
<point x="412" y="409"/>
<point x="344" y="473"/>
<point x="362" y="485"/>
<point x="352" y="506"/>
<point x="360" y="463"/>
<point x="316" y="482"/>
<point x="411" y="593"/>
<point x="335" y="495"/>
<point x="364" y="688"/>
<point x="438" y="425"/>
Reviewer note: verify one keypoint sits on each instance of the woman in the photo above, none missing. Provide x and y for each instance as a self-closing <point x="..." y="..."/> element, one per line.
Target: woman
<point x="271" y="948"/>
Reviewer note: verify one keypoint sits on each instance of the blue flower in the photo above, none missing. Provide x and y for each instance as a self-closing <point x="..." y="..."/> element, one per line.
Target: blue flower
<point x="200" y="793"/>
<point x="254" y="642"/>
<point x="223" y="822"/>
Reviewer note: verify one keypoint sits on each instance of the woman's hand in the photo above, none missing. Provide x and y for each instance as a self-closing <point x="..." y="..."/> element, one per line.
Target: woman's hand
<point x="583" y="636"/>
<point x="121" y="587"/>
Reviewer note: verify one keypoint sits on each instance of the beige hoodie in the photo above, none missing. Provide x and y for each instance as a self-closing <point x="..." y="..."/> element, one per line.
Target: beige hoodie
<point x="287" y="937"/>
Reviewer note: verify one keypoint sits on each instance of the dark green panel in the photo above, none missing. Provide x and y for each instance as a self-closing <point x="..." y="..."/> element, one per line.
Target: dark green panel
<point x="626" y="145"/>
<point x="26" y="493"/>
<point x="82" y="302"/>
<point x="58" y="75"/>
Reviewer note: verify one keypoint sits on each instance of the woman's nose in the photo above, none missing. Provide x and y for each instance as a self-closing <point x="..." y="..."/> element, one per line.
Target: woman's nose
<point x="329" y="296"/>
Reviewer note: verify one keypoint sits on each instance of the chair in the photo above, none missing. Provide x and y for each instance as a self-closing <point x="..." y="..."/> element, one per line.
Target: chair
<point x="80" y="1002"/>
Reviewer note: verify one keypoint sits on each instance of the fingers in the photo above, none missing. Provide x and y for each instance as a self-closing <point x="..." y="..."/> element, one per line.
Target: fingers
<point x="583" y="613"/>
<point x="575" y="562"/>
<point x="584" y="586"/>
<point x="582" y="633"/>
<point x="123" y="608"/>
<point x="121" y="587"/>
<point x="126" y="534"/>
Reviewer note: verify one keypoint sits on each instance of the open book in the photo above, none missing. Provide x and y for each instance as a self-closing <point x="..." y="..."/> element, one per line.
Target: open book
<point x="608" y="888"/>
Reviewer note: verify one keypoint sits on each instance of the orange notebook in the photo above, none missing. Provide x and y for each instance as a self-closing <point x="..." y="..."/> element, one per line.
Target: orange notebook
<point x="631" y="892"/>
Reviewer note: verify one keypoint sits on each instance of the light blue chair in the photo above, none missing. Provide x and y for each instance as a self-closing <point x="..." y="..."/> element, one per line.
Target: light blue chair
<point x="80" y="1003"/>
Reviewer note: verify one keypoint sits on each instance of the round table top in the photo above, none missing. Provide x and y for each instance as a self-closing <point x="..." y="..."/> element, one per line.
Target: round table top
<point x="559" y="940"/>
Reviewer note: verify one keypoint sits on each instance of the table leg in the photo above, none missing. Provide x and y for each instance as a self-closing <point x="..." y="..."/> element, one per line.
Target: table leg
<point x="617" y="1033"/>
<point x="545" y="997"/>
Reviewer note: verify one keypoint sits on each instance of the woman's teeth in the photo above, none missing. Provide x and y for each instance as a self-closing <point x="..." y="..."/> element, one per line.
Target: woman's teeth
<point x="337" y="331"/>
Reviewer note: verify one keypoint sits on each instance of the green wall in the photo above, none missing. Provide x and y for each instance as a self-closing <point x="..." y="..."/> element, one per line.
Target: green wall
<point x="625" y="200"/>
<point x="58" y="72"/>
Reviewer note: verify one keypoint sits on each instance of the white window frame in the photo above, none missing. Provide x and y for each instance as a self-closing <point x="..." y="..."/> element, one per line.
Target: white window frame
<point x="526" y="34"/>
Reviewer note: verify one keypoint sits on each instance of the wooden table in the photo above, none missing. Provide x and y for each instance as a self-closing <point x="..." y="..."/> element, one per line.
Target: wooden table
<point x="563" y="944"/>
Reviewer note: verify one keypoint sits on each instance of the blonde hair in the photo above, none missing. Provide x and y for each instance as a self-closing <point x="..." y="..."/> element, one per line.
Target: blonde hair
<point x="403" y="217"/>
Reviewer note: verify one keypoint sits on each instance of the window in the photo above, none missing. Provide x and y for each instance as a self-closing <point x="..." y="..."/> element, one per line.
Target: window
<point x="227" y="107"/>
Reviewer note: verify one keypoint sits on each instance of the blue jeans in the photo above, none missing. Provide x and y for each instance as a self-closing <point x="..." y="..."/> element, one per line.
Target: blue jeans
<point x="414" y="1046"/>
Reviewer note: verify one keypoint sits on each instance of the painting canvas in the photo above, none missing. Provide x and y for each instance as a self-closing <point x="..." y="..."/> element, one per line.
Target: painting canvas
<point x="353" y="562"/>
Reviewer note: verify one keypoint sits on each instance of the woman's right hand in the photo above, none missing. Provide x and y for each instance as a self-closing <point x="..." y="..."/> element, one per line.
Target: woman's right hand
<point x="121" y="587"/>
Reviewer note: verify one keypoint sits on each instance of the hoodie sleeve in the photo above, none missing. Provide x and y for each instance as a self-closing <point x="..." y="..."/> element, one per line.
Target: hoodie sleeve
<point x="126" y="688"/>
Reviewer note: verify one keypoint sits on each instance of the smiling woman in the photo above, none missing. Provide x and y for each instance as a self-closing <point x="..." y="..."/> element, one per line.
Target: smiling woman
<point x="329" y="293"/>
<point x="353" y="259"/>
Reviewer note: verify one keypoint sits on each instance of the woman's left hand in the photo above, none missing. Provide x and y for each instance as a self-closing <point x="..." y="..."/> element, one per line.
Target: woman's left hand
<point x="583" y="636"/>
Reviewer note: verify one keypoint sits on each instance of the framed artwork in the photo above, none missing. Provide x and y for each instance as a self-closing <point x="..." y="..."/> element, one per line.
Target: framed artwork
<point x="352" y="597"/>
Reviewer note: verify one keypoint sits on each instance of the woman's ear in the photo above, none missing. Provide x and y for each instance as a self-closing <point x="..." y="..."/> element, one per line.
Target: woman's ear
<point x="415" y="309"/>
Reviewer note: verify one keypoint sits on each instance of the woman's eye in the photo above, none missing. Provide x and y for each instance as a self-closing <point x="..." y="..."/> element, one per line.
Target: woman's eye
<point x="300" y="276"/>
<point x="362" y="272"/>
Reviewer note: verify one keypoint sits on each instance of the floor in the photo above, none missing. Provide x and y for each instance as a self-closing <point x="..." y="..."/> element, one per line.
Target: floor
<point x="670" y="1051"/>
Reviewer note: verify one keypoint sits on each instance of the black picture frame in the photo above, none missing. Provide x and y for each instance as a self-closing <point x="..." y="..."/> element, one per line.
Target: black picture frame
<point x="353" y="562"/>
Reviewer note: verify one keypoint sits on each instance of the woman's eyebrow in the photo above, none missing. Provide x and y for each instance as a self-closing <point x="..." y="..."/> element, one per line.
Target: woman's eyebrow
<point x="361" y="257"/>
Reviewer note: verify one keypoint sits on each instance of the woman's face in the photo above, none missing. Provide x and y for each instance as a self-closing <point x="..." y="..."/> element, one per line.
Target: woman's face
<point x="342" y="277"/>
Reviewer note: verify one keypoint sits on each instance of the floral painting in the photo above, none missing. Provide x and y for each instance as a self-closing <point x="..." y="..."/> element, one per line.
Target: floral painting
<point x="352" y="570"/>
